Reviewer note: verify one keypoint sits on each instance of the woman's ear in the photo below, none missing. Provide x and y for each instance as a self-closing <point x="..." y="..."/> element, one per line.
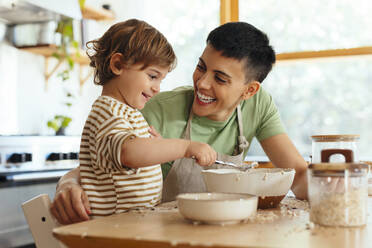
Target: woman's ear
<point x="116" y="65"/>
<point x="251" y="89"/>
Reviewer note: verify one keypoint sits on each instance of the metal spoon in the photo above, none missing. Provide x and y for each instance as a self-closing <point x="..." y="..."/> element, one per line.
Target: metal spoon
<point x="240" y="167"/>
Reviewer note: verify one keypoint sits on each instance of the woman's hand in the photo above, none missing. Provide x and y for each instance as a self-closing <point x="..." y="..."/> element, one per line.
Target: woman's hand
<point x="300" y="188"/>
<point x="202" y="152"/>
<point x="70" y="204"/>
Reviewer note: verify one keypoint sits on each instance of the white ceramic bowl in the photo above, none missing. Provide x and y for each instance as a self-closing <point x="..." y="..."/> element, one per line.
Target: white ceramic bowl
<point x="217" y="208"/>
<point x="270" y="184"/>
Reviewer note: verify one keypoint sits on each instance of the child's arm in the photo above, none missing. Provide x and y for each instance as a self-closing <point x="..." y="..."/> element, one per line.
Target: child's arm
<point x="140" y="152"/>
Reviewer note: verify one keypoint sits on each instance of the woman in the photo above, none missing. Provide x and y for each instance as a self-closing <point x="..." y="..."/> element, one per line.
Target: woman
<point x="226" y="108"/>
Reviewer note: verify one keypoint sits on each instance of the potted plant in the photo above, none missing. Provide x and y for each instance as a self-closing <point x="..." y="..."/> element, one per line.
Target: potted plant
<point x="59" y="124"/>
<point x="65" y="27"/>
<point x="68" y="47"/>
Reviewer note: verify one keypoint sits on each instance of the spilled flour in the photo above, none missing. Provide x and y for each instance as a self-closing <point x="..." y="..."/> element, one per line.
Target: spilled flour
<point x="164" y="207"/>
<point x="289" y="207"/>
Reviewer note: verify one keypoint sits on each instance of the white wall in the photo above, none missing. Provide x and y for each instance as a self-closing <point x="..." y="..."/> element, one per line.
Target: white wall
<point x="8" y="89"/>
<point x="25" y="104"/>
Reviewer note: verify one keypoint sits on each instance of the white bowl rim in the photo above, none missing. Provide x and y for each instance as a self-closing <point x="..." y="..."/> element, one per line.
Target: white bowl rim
<point x="224" y="171"/>
<point x="228" y="197"/>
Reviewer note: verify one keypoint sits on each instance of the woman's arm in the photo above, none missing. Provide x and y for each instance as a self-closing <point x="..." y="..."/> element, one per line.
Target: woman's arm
<point x="70" y="204"/>
<point x="282" y="153"/>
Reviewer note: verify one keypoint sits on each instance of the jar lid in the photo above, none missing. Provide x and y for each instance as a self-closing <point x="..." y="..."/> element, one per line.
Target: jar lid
<point x="329" y="169"/>
<point x="335" y="137"/>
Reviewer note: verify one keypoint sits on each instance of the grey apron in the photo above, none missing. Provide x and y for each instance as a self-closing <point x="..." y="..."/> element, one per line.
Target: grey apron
<point x="185" y="174"/>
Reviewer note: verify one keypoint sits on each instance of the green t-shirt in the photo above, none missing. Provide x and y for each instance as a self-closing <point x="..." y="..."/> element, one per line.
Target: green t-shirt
<point x="168" y="112"/>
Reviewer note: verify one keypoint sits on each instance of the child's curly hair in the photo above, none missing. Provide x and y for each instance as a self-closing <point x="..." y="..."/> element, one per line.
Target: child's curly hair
<point x="137" y="41"/>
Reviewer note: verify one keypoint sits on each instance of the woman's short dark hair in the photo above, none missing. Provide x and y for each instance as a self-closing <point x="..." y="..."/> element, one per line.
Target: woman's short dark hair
<point x="137" y="41"/>
<point x="242" y="41"/>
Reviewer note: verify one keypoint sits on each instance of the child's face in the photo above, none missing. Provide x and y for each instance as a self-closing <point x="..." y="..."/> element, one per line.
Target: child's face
<point x="136" y="86"/>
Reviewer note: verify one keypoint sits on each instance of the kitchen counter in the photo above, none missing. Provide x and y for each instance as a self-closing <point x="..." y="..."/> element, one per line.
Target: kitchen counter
<point x="163" y="226"/>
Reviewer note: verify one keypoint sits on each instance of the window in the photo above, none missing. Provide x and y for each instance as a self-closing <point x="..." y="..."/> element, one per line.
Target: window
<point x="186" y="26"/>
<point x="310" y="25"/>
<point x="318" y="96"/>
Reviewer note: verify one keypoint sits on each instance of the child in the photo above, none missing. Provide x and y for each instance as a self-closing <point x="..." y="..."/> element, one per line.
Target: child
<point x="119" y="161"/>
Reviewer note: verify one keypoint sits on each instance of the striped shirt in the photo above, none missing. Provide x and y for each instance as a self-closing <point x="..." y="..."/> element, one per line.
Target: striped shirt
<point x="110" y="186"/>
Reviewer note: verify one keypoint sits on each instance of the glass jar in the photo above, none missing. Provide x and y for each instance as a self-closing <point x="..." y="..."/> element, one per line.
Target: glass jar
<point x="338" y="194"/>
<point x="341" y="142"/>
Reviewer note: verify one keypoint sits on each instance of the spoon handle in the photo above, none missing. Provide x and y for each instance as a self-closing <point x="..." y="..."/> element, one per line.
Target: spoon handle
<point x="227" y="163"/>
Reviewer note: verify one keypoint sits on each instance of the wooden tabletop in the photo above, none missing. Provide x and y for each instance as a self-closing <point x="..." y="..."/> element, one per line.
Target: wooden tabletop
<point x="286" y="226"/>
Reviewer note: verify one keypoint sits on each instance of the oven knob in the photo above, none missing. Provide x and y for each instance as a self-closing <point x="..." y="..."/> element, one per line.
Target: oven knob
<point x="28" y="157"/>
<point x="54" y="156"/>
<point x="20" y="158"/>
<point x="15" y="158"/>
<point x="74" y="155"/>
<point x="70" y="156"/>
<point x="66" y="156"/>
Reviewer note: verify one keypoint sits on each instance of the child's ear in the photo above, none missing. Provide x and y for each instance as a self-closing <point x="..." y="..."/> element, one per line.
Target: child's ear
<point x="116" y="65"/>
<point x="251" y="89"/>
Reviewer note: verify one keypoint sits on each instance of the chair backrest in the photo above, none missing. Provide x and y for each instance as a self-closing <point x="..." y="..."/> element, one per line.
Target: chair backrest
<point x="41" y="221"/>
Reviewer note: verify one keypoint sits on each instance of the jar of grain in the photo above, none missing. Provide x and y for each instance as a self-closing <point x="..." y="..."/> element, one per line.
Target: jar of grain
<point x="338" y="194"/>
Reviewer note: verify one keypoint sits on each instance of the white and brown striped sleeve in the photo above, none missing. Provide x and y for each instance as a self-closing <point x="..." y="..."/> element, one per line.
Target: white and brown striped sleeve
<point x="109" y="139"/>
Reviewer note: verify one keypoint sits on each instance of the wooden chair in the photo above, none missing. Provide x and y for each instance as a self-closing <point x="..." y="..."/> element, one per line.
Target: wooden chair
<point x="41" y="221"/>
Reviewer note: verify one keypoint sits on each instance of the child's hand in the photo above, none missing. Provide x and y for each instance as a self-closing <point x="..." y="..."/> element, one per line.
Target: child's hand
<point x="154" y="133"/>
<point x="202" y="152"/>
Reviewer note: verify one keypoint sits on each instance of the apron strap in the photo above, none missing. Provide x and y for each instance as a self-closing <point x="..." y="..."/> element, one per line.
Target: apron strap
<point x="187" y="132"/>
<point x="243" y="142"/>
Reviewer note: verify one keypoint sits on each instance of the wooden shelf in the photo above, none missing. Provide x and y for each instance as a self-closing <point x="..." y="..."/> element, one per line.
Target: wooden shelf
<point x="325" y="53"/>
<point x="89" y="12"/>
<point x="47" y="51"/>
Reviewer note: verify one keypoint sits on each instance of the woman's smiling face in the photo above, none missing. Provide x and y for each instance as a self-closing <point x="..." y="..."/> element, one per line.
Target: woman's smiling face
<point x="219" y="85"/>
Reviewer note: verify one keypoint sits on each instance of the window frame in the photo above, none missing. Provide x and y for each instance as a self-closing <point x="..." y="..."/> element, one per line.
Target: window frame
<point x="229" y="12"/>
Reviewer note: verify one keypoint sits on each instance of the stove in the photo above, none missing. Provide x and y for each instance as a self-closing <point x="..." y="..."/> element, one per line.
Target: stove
<point x="36" y="154"/>
<point x="29" y="166"/>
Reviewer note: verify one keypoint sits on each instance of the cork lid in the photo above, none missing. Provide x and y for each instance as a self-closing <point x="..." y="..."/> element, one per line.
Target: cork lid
<point x="335" y="137"/>
<point x="338" y="166"/>
<point x="338" y="169"/>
